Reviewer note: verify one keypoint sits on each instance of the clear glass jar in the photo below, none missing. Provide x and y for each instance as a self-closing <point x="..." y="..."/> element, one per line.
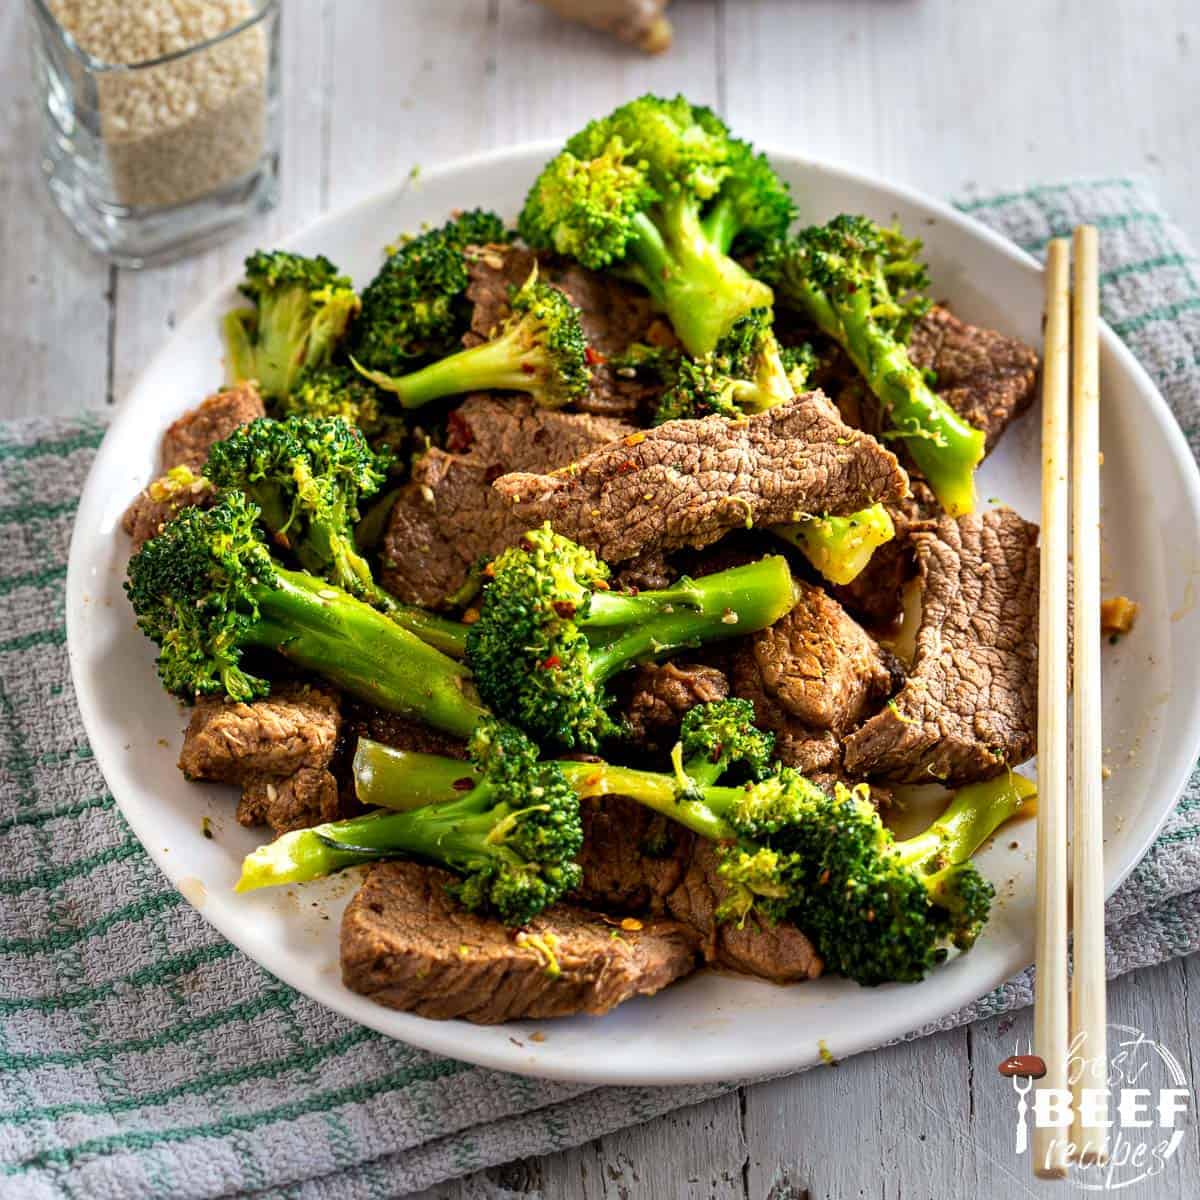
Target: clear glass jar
<point x="155" y="159"/>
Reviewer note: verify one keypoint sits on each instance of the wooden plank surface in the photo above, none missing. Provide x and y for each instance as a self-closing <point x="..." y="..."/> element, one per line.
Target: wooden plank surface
<point x="953" y="99"/>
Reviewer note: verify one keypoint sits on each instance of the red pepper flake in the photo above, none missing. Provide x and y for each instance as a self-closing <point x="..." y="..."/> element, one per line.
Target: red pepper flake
<point x="594" y="357"/>
<point x="565" y="609"/>
<point x="489" y="572"/>
<point x="601" y="585"/>
<point x="627" y="466"/>
<point x="459" y="434"/>
<point x="552" y="663"/>
<point x="528" y="368"/>
<point x="470" y="616"/>
<point x="634" y="439"/>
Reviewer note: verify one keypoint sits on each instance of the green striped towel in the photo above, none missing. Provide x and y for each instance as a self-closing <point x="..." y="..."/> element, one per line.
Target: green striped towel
<point x="143" y="1056"/>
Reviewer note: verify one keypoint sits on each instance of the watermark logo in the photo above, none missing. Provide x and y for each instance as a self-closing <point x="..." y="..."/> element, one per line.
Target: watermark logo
<point x="1143" y="1103"/>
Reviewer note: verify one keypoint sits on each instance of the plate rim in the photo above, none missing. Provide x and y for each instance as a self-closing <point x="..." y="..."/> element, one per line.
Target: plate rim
<point x="439" y="1036"/>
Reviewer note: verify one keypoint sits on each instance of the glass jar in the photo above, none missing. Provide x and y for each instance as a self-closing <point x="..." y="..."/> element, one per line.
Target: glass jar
<point x="154" y="159"/>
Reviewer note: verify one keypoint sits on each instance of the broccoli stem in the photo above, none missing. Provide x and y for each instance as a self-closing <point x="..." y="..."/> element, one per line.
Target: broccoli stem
<point x="701" y="289"/>
<point x="941" y="443"/>
<point x="974" y="814"/>
<point x="345" y="640"/>
<point x="385" y="777"/>
<point x="741" y="599"/>
<point x="840" y="547"/>
<point x="502" y="364"/>
<point x="459" y="834"/>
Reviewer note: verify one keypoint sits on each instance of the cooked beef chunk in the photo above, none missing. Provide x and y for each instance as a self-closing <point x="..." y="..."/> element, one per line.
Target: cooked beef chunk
<point x="645" y="573"/>
<point x="402" y="733"/>
<point x="162" y="501"/>
<point x="613" y="315"/>
<point x="448" y="516"/>
<point x="294" y="727"/>
<point x="987" y="378"/>
<point x="821" y="665"/>
<point x="796" y="744"/>
<point x="685" y="483"/>
<point x="406" y="944"/>
<point x="187" y="443"/>
<point x="662" y="693"/>
<point x="632" y="857"/>
<point x="188" y="440"/>
<point x="969" y="708"/>
<point x="779" y="952"/>
<point x="875" y="596"/>
<point x="306" y="797"/>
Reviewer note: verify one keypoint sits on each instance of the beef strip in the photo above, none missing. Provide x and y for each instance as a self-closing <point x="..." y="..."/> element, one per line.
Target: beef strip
<point x="613" y="315"/>
<point x="685" y="483"/>
<point x="307" y="797"/>
<point x="406" y="944"/>
<point x="796" y="744"/>
<point x="632" y="857"/>
<point x="448" y="516"/>
<point x="778" y="952"/>
<point x="969" y="708"/>
<point x="661" y="695"/>
<point x="186" y="444"/>
<point x="820" y="665"/>
<point x="987" y="378"/>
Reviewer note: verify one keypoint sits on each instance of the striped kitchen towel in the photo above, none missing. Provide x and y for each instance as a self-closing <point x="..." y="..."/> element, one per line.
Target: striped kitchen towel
<point x="141" y="1055"/>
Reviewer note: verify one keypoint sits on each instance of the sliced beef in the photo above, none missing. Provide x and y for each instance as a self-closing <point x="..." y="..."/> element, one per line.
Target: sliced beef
<point x="407" y="945"/>
<point x="661" y="695"/>
<point x="294" y="727"/>
<point x="685" y="483"/>
<point x="613" y="315"/>
<point x="820" y="665"/>
<point x="969" y="708"/>
<point x="796" y="744"/>
<point x="449" y="516"/>
<point x="632" y="857"/>
<point x="309" y="796"/>
<point x="987" y="378"/>
<point x="186" y="445"/>
<point x="401" y="733"/>
<point x="778" y="952"/>
<point x="189" y="439"/>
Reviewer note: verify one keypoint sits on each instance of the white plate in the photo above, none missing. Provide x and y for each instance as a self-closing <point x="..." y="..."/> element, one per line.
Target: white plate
<point x="712" y="1026"/>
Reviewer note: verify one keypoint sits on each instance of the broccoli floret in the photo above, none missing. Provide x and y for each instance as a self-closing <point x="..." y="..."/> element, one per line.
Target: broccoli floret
<point x="662" y="190"/>
<point x="340" y="391"/>
<point x="801" y="363"/>
<point x="206" y="590"/>
<point x="512" y="836"/>
<point x="840" y="547"/>
<point x="551" y="633"/>
<point x="746" y="373"/>
<point x="863" y="286"/>
<point x="303" y="308"/>
<point x="307" y="476"/>
<point x="416" y="307"/>
<point x="719" y="736"/>
<point x="539" y="348"/>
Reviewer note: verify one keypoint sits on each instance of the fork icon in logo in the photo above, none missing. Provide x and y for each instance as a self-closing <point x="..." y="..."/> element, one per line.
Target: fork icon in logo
<point x="1022" y="1105"/>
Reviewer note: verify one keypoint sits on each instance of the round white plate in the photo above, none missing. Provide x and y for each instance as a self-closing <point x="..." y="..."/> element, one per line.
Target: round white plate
<point x="712" y="1026"/>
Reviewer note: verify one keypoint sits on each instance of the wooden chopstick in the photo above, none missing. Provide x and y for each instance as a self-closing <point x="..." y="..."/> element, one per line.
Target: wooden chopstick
<point x="1050" y="1021"/>
<point x="1089" y="1052"/>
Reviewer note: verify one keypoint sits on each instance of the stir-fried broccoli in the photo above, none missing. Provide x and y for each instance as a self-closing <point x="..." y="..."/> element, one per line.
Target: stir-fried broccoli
<point x="416" y="307"/>
<point x="513" y="835"/>
<point x="550" y="633"/>
<point x="340" y="391"/>
<point x="307" y="476"/>
<point x="206" y="590"/>
<point x="539" y="348"/>
<point x="746" y="373"/>
<point x="662" y="190"/>
<point x="303" y="308"/>
<point x="862" y="285"/>
<point x="840" y="547"/>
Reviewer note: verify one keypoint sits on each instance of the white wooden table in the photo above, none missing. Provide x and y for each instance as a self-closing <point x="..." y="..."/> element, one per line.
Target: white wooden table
<point x="953" y="97"/>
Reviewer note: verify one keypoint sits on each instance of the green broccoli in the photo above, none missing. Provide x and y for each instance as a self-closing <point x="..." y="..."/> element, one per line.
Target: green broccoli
<point x="307" y="476"/>
<point x="551" y="633"/>
<point x="862" y="286"/>
<point x="539" y="348"/>
<point x="840" y="547"/>
<point x="660" y="189"/>
<point x="340" y="391"/>
<point x="206" y="590"/>
<point x="416" y="307"/>
<point x="303" y="308"/>
<point x="513" y="835"/>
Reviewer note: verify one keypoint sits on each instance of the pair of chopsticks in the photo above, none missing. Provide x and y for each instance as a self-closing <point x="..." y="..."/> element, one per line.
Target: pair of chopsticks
<point x="1071" y="1040"/>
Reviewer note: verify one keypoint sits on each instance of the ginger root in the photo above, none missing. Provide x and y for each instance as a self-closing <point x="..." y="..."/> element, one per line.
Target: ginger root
<point x="641" y="23"/>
